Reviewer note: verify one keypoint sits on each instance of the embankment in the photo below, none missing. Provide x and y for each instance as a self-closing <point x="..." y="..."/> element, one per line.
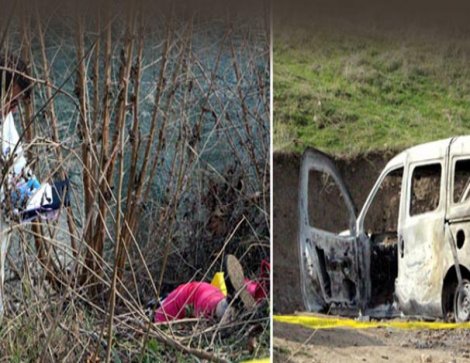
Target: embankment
<point x="359" y="172"/>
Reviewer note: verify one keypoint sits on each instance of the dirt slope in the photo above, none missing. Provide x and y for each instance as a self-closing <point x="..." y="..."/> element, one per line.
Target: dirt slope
<point x="359" y="173"/>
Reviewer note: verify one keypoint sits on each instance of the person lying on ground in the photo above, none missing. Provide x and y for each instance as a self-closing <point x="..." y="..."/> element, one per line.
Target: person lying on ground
<point x="202" y="299"/>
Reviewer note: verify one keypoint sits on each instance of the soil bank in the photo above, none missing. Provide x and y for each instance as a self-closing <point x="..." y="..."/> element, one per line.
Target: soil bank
<point x="359" y="173"/>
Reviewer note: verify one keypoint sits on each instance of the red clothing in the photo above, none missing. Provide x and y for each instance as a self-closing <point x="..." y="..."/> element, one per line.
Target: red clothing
<point x="204" y="297"/>
<point x="259" y="290"/>
<point x="255" y="289"/>
<point x="201" y="296"/>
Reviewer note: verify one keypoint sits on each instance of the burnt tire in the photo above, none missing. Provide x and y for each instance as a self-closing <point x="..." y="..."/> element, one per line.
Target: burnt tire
<point x="461" y="304"/>
<point x="448" y="294"/>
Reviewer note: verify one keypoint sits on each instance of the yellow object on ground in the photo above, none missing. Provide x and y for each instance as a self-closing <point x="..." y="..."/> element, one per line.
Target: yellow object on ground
<point x="264" y="360"/>
<point x="219" y="281"/>
<point x="321" y="322"/>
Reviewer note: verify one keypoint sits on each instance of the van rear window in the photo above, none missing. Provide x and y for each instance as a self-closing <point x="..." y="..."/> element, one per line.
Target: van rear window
<point x="425" y="189"/>
<point x="462" y="181"/>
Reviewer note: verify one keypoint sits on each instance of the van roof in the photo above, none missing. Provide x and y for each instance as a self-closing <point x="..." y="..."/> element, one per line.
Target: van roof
<point x="428" y="151"/>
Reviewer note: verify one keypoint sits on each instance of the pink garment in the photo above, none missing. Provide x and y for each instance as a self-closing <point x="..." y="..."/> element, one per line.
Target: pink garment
<point x="255" y="289"/>
<point x="201" y="296"/>
<point x="259" y="289"/>
<point x="204" y="297"/>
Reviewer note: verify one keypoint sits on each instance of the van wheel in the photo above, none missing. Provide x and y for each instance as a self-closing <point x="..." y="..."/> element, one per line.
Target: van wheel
<point x="462" y="301"/>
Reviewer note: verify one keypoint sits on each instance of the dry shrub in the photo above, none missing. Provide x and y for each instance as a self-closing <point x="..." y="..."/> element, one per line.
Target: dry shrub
<point x="160" y="119"/>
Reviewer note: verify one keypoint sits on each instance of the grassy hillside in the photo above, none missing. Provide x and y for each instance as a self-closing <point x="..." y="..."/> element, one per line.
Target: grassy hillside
<point x="358" y="89"/>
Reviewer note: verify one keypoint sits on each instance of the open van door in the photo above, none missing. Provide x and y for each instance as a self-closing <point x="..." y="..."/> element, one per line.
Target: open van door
<point x="329" y="260"/>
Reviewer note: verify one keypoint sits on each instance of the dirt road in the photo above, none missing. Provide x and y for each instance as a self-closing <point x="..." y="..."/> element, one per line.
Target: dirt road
<point x="294" y="343"/>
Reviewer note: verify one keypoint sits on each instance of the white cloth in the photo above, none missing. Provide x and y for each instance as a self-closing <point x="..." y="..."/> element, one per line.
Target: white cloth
<point x="20" y="173"/>
<point x="40" y="197"/>
<point x="10" y="139"/>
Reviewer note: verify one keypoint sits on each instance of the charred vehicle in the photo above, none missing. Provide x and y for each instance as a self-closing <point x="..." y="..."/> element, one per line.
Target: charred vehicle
<point x="408" y="245"/>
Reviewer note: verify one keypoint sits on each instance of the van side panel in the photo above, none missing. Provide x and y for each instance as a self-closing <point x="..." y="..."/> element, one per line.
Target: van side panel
<point x="421" y="240"/>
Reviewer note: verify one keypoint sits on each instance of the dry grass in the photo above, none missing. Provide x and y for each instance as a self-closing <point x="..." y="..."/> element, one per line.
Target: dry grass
<point x="161" y="122"/>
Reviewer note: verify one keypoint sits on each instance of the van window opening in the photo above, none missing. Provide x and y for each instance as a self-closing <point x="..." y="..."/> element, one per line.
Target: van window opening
<point x="425" y="189"/>
<point x="381" y="224"/>
<point x="382" y="215"/>
<point x="461" y="181"/>
<point x="325" y="195"/>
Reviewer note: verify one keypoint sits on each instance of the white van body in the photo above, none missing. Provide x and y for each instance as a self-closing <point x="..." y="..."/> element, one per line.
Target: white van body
<point x="432" y="254"/>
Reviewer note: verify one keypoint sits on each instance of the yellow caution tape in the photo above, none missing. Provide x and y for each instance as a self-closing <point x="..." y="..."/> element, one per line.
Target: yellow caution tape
<point x="317" y="322"/>
<point x="219" y="281"/>
<point x="264" y="360"/>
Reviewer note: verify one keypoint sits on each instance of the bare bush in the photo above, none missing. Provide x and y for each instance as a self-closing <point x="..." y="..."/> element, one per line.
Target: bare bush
<point x="161" y="122"/>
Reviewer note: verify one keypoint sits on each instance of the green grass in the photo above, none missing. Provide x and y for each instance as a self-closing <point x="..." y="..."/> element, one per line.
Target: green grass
<point x="356" y="90"/>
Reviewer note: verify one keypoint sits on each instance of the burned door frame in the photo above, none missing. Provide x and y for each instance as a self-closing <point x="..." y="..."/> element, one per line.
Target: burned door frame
<point x="329" y="263"/>
<point x="365" y="241"/>
<point x="455" y="251"/>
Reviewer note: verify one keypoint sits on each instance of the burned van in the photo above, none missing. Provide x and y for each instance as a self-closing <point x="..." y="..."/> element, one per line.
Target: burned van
<point x="408" y="245"/>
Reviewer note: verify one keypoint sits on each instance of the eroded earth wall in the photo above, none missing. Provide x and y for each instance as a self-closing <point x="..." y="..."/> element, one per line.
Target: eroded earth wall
<point x="359" y="173"/>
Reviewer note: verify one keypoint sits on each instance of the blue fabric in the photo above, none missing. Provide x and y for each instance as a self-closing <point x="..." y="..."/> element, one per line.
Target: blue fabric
<point x="24" y="191"/>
